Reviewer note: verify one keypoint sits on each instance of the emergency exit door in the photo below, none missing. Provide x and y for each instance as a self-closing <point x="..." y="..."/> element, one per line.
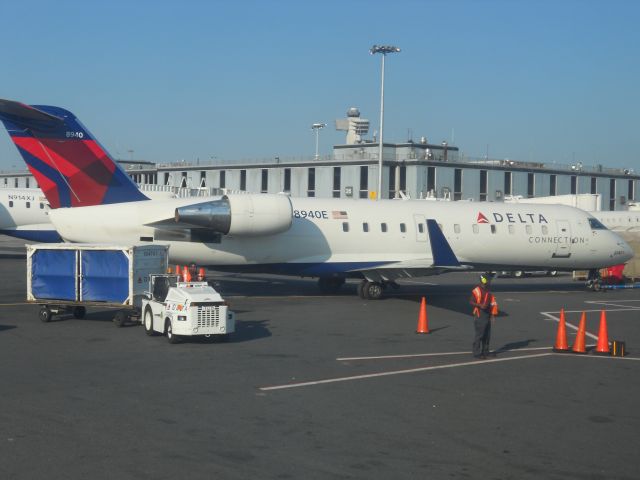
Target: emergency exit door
<point x="420" y="224"/>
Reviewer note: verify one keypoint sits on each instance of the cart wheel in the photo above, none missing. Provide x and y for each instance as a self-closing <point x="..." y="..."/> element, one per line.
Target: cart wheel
<point x="79" y="312"/>
<point x="44" y="314"/>
<point x="120" y="319"/>
<point x="148" y="321"/>
<point x="171" y="338"/>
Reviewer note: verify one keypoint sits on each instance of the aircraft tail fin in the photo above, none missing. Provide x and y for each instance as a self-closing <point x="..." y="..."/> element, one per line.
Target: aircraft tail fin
<point x="442" y="252"/>
<point x="70" y="166"/>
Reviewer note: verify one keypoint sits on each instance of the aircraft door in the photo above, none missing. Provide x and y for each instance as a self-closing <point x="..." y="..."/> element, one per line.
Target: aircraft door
<point x="563" y="247"/>
<point x="420" y="224"/>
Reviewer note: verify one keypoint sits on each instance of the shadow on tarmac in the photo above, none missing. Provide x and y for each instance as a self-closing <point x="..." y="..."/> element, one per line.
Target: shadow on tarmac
<point x="6" y="327"/>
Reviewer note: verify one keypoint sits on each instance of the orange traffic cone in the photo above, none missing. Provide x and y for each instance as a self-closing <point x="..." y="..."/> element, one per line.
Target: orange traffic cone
<point x="579" y="343"/>
<point x="201" y="275"/>
<point x="186" y="274"/>
<point x="603" y="339"/>
<point x="178" y="271"/>
<point x="561" y="337"/>
<point x="423" y="323"/>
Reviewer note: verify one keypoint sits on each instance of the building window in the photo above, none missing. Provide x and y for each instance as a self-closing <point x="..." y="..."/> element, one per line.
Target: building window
<point x="431" y="180"/>
<point x="403" y="228"/>
<point x="223" y="178"/>
<point x="483" y="185"/>
<point x="553" y="182"/>
<point x="403" y="178"/>
<point x="203" y="179"/>
<point x="26" y="182"/>
<point x="612" y="194"/>
<point x="365" y="227"/>
<point x="574" y="185"/>
<point x="183" y="182"/>
<point x="311" y="183"/>
<point x="243" y="180"/>
<point x="508" y="183"/>
<point x="383" y="227"/>
<point x="287" y="179"/>
<point x="364" y="181"/>
<point x="457" y="184"/>
<point x="5" y="181"/>
<point x="264" y="182"/>
<point x="167" y="178"/>
<point x="15" y="182"/>
<point x="594" y="185"/>
<point x="345" y="226"/>
<point x="336" y="181"/>
<point x="531" y="185"/>
<point x="392" y="182"/>
<point x="632" y="190"/>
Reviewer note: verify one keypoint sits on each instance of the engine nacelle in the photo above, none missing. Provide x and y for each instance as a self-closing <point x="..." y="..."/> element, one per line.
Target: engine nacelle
<point x="247" y="215"/>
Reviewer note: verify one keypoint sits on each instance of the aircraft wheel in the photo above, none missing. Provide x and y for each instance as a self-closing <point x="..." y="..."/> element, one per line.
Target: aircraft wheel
<point x="373" y="290"/>
<point x="79" y="311"/>
<point x="518" y="274"/>
<point x="552" y="273"/>
<point x="148" y="321"/>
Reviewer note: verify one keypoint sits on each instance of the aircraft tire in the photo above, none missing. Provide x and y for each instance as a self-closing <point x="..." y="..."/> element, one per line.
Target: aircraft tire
<point x="373" y="291"/>
<point x="148" y="321"/>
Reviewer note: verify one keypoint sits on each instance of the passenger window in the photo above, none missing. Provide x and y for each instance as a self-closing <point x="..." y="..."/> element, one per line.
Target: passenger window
<point x="512" y="229"/>
<point x="476" y="228"/>
<point x="545" y="230"/>
<point x="28" y="204"/>
<point x="41" y="206"/>
<point x="493" y="229"/>
<point x="365" y="227"/>
<point x="11" y="203"/>
<point x="345" y="226"/>
<point x="403" y="228"/>
<point x="456" y="228"/>
<point x="383" y="227"/>
<point x="528" y="229"/>
<point x="421" y="228"/>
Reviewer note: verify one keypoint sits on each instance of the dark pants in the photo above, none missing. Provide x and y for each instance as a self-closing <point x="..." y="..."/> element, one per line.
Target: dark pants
<point x="482" y="326"/>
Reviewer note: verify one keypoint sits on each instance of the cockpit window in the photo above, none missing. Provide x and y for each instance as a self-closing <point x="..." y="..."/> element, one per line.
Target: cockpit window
<point x="596" y="225"/>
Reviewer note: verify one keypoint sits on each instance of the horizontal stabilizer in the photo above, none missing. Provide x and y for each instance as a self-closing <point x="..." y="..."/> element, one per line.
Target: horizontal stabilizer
<point x="443" y="255"/>
<point x="28" y="117"/>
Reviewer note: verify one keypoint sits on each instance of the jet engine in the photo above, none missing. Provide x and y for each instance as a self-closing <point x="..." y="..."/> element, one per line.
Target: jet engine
<point x="248" y="215"/>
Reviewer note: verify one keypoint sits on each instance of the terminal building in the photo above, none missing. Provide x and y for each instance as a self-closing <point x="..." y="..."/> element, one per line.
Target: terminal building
<point x="414" y="169"/>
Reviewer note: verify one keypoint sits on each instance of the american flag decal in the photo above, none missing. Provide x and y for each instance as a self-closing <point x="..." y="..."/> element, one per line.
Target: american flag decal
<point x="339" y="214"/>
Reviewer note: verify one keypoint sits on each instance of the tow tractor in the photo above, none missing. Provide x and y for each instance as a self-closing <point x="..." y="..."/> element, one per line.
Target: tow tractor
<point x="180" y="309"/>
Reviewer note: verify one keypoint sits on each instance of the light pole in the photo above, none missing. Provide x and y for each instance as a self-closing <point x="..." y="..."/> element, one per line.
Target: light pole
<point x="383" y="49"/>
<point x="317" y="127"/>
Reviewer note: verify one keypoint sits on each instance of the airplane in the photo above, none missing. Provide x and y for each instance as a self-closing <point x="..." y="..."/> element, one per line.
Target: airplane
<point x="93" y="200"/>
<point x="24" y="213"/>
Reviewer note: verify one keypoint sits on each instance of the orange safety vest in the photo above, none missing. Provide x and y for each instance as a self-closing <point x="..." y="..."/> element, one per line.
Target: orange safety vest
<point x="489" y="299"/>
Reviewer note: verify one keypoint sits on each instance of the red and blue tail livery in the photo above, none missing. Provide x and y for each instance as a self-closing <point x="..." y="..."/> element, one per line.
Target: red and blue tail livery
<point x="70" y="166"/>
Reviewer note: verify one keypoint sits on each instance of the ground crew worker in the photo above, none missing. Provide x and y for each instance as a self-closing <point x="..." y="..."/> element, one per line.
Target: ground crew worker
<point x="485" y="308"/>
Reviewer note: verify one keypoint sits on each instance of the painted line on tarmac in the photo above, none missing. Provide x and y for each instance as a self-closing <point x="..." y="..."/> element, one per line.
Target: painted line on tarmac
<point x="626" y="307"/>
<point x="398" y="372"/>
<point x="608" y="357"/>
<point x="571" y="325"/>
<point x="416" y="355"/>
<point x="15" y="304"/>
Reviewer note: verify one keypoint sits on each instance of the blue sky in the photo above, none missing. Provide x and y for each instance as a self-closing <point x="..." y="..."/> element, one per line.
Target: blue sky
<point x="550" y="81"/>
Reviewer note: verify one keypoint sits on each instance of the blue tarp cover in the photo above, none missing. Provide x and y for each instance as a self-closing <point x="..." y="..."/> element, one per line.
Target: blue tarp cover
<point x="105" y="276"/>
<point x="53" y="274"/>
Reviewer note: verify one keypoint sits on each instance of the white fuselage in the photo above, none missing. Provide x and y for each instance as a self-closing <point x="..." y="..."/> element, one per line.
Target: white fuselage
<point x="24" y="213"/>
<point x="334" y="235"/>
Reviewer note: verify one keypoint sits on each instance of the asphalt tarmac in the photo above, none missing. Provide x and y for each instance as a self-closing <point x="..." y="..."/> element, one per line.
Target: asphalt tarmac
<point x="320" y="387"/>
